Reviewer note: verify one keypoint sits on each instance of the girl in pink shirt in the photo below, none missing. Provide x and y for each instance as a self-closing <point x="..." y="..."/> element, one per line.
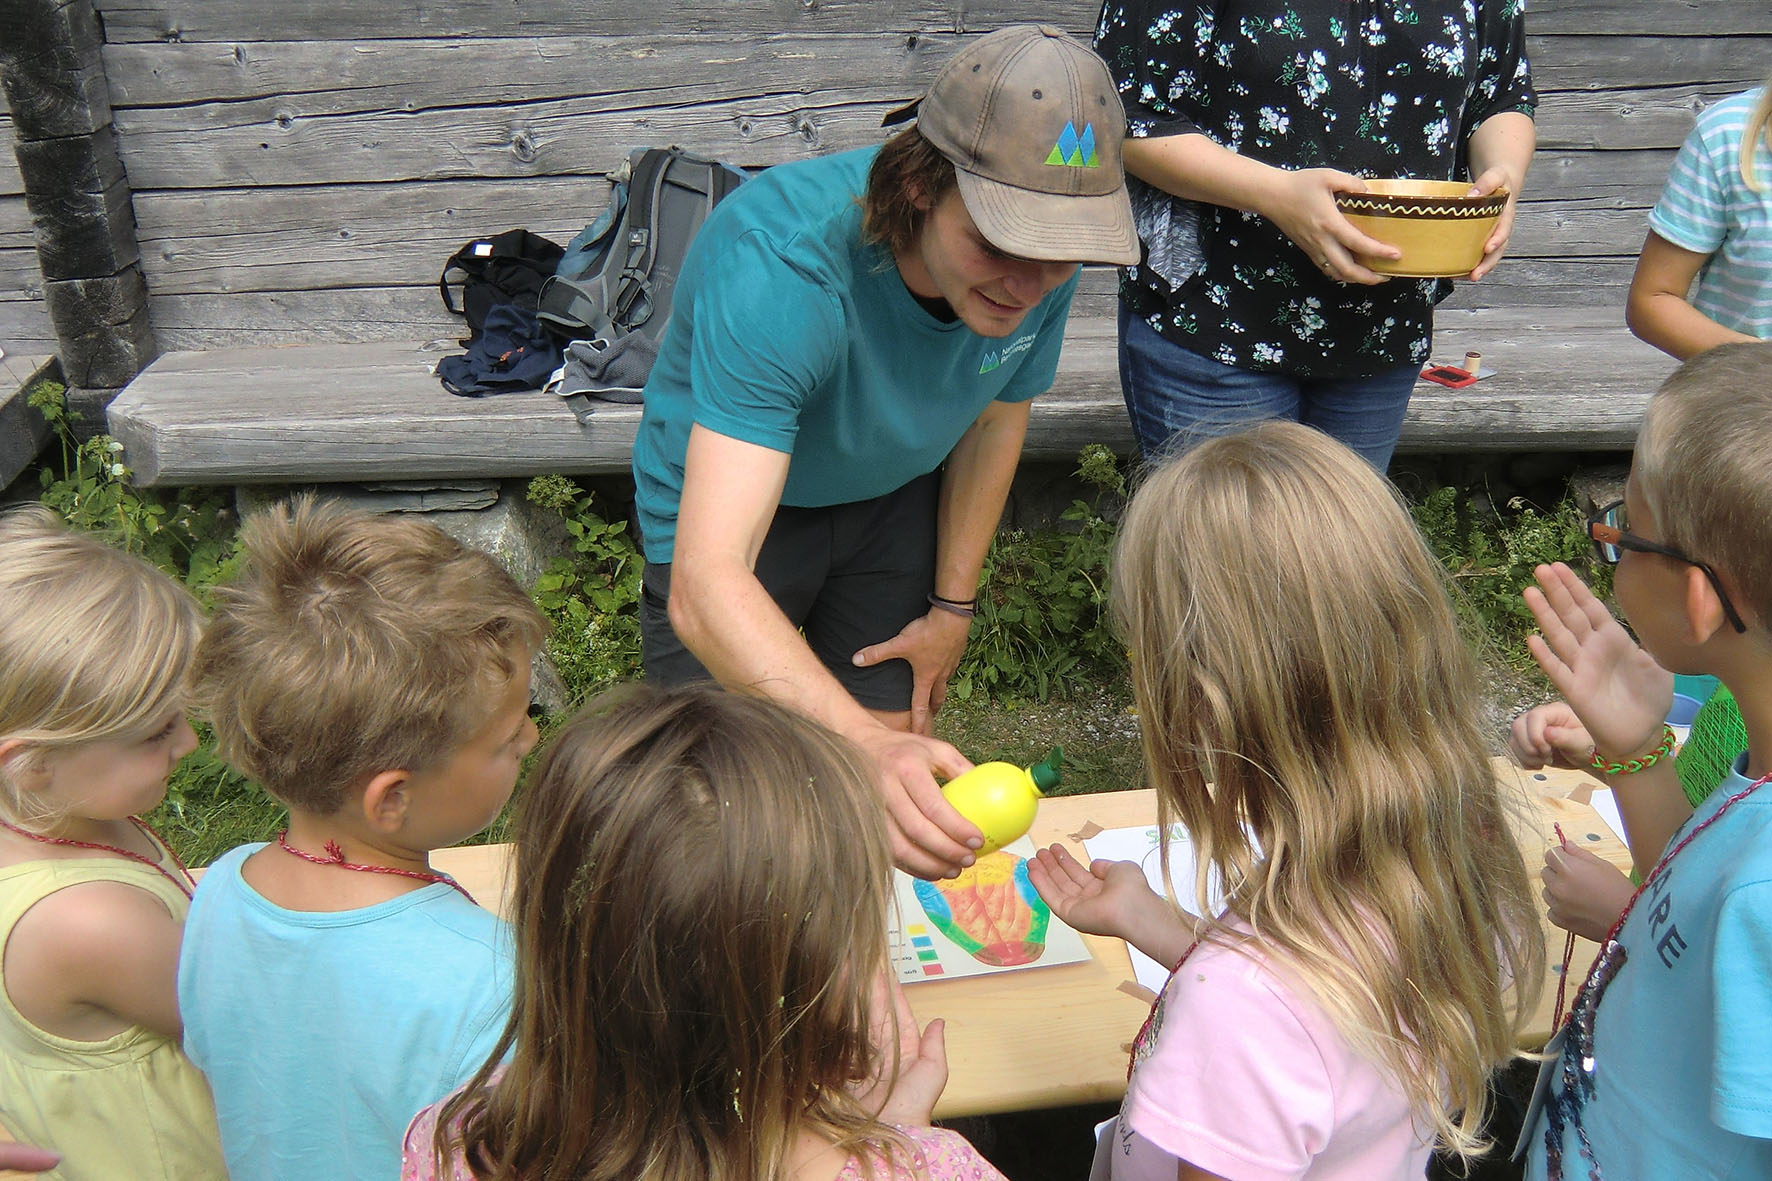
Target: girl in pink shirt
<point x="1311" y="719"/>
<point x="700" y="905"/>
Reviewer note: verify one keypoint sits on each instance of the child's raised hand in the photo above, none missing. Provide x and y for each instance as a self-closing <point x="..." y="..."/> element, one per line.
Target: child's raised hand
<point x="906" y="1098"/>
<point x="1111" y="898"/>
<point x="1583" y="893"/>
<point x="1614" y="687"/>
<point x="1097" y="898"/>
<point x="1549" y="735"/>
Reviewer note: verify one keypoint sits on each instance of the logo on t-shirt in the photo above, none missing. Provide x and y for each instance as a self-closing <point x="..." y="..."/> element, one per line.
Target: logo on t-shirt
<point x="994" y="359"/>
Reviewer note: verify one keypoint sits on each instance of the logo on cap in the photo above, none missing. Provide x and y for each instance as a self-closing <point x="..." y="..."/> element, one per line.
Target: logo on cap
<point x="1073" y="152"/>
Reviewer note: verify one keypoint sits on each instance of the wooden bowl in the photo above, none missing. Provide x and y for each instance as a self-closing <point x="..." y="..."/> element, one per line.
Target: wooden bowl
<point x="1439" y="230"/>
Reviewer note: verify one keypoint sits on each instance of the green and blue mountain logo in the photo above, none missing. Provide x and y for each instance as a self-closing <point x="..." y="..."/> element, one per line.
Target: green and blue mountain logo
<point x="1074" y="151"/>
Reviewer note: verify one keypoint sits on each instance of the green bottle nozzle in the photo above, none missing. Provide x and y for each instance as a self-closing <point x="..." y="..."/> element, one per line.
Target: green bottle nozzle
<point x="1049" y="772"/>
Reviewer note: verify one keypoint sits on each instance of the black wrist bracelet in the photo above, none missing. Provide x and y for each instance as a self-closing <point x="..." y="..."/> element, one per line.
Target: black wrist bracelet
<point x="953" y="606"/>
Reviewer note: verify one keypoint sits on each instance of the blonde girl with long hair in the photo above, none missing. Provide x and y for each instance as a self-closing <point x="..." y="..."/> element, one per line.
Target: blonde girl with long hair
<point x="1310" y="717"/>
<point x="1713" y="223"/>
<point x="701" y="891"/>
<point x="95" y="646"/>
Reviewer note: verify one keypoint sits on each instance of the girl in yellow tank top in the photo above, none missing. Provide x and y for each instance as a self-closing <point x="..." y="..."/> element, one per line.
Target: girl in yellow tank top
<point x="94" y="650"/>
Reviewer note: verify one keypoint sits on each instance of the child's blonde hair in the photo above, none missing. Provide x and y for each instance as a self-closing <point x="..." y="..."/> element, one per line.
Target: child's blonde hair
<point x="353" y="644"/>
<point x="701" y="892"/>
<point x="95" y="644"/>
<point x="1703" y="464"/>
<point x="1757" y="130"/>
<point x="1310" y="714"/>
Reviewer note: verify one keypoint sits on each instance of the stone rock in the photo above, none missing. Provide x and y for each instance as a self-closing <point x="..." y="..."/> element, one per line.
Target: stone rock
<point x="1594" y="488"/>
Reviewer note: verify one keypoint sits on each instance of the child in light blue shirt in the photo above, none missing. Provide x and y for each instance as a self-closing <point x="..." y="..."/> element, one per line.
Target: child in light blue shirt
<point x="373" y="675"/>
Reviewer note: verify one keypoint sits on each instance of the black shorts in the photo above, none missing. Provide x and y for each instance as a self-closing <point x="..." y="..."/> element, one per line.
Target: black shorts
<point x="847" y="575"/>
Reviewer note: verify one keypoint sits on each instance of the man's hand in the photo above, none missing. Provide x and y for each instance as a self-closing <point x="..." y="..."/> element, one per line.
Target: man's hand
<point x="1549" y="735"/>
<point x="1615" y="688"/>
<point x="929" y="838"/>
<point x="1582" y="893"/>
<point x="932" y="645"/>
<point x="912" y="1067"/>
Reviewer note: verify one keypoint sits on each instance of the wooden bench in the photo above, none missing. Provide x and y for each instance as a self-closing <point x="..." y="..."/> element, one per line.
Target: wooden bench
<point x="297" y="173"/>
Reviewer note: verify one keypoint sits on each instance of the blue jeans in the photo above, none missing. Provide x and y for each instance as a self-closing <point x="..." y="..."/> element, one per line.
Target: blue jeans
<point x="1177" y="397"/>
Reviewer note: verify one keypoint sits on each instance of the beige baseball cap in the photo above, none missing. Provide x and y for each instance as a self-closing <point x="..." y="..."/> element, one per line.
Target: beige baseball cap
<point x="1032" y="123"/>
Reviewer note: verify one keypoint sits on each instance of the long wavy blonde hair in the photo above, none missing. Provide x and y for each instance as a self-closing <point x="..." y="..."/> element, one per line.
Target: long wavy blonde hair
<point x="700" y="903"/>
<point x="1310" y="716"/>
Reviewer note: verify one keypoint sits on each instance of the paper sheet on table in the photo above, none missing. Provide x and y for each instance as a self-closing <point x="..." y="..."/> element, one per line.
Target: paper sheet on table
<point x="989" y="919"/>
<point x="1604" y="803"/>
<point x="1140" y="845"/>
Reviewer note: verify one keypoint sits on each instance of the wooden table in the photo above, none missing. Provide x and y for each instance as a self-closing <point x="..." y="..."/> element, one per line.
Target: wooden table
<point x="1046" y="1037"/>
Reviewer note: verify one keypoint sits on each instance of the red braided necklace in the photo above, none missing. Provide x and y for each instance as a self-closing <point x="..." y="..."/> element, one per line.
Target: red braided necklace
<point x="336" y="856"/>
<point x="183" y="879"/>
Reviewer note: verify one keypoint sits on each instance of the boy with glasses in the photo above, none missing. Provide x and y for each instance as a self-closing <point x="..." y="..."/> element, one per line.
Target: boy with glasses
<point x="1661" y="1069"/>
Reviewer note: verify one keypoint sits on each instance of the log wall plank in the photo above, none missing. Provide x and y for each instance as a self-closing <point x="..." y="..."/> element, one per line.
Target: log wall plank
<point x="11" y="183"/>
<point x="261" y="79"/>
<point x="24" y="326"/>
<point x="812" y="96"/>
<point x="253" y="20"/>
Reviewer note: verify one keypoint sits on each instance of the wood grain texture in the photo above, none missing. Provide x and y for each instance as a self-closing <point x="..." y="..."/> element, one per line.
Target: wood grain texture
<point x="208" y="320"/>
<point x="24" y="327"/>
<point x="797" y="100"/>
<point x="1568" y="379"/>
<point x="11" y="183"/>
<point x="319" y="20"/>
<point x="252" y="20"/>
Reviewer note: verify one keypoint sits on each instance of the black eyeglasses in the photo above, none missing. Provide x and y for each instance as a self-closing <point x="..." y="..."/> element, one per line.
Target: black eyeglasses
<point x="1606" y="528"/>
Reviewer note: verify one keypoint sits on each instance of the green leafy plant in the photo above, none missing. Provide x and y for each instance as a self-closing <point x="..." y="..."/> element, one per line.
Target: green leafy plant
<point x="189" y="533"/>
<point x="1042" y="620"/>
<point x="593" y="596"/>
<point x="1491" y="556"/>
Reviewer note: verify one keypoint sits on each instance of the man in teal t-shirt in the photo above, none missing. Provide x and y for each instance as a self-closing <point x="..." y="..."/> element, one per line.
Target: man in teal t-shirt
<point x="839" y="403"/>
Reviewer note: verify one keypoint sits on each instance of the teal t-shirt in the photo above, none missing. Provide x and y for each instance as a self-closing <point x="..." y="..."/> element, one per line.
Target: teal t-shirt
<point x="324" y="1032"/>
<point x="789" y="332"/>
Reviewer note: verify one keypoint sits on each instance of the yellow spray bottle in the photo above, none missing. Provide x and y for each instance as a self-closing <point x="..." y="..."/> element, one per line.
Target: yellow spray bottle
<point x="1001" y="798"/>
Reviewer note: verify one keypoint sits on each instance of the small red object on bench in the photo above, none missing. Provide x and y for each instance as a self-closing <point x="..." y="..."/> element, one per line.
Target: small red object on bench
<point x="1450" y="376"/>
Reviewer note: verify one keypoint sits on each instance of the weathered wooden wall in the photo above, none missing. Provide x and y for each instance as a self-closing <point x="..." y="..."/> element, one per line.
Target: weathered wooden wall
<point x="300" y="170"/>
<point x="24" y="323"/>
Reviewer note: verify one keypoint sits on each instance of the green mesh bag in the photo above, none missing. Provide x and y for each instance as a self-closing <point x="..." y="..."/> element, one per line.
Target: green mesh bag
<point x="1717" y="737"/>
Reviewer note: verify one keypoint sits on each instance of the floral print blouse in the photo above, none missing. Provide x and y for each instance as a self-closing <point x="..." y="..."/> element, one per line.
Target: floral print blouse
<point x="1378" y="88"/>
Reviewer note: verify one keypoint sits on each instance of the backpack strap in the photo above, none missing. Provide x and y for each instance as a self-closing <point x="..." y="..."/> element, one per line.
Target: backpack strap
<point x="633" y="283"/>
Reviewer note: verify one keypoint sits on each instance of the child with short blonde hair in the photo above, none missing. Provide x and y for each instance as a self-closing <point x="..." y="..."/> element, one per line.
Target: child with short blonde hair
<point x="95" y="646"/>
<point x="373" y="675"/>
<point x="1661" y="1069"/>
<point x="1310" y="716"/>
<point x="701" y="894"/>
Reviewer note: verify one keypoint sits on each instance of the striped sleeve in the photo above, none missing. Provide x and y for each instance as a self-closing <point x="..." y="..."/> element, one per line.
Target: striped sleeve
<point x="1691" y="212"/>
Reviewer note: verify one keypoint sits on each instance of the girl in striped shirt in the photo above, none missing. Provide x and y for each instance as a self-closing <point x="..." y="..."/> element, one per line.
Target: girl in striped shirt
<point x="1713" y="223"/>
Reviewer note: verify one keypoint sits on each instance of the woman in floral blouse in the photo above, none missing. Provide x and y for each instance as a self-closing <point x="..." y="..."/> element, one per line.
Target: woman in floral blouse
<point x="1246" y="117"/>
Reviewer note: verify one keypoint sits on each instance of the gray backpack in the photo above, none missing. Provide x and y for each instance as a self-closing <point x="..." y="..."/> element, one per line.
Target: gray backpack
<point x="612" y="289"/>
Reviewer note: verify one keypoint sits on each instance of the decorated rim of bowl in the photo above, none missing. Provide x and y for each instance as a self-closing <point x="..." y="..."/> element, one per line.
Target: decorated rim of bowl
<point x="1392" y="205"/>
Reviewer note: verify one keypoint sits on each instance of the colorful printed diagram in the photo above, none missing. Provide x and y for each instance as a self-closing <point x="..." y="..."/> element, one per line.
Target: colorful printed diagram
<point x="989" y="919"/>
